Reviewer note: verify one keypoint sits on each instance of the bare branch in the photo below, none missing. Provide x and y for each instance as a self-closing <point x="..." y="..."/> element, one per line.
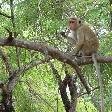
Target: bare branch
<point x="54" y="53"/>
<point x="12" y="13"/>
<point x="63" y="93"/>
<point x="14" y="78"/>
<point x="56" y="74"/>
<point x="38" y="96"/>
<point x="30" y="65"/>
<point x="110" y="15"/>
<point x="6" y="62"/>
<point x="100" y="59"/>
<point x="81" y="94"/>
<point x="5" y="15"/>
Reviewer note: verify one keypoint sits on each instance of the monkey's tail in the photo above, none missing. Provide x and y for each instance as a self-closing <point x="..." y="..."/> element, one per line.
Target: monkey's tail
<point x="97" y="66"/>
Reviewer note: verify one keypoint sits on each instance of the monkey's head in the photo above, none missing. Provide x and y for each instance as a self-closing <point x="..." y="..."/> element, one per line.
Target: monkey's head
<point x="74" y="23"/>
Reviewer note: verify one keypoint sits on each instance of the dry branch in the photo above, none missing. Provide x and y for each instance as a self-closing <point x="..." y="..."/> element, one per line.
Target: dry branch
<point x="5" y="15"/>
<point x="14" y="78"/>
<point x="54" y="53"/>
<point x="6" y="62"/>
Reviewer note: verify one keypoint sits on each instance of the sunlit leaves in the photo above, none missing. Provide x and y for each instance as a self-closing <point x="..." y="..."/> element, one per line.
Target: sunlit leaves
<point x="42" y="20"/>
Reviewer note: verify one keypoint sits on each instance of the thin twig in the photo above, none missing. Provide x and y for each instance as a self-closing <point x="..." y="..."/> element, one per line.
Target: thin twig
<point x="15" y="77"/>
<point x="36" y="95"/>
<point x="86" y="92"/>
<point x="5" y="15"/>
<point x="6" y="62"/>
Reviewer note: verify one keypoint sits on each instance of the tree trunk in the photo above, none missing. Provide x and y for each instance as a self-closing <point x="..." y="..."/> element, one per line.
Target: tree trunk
<point x="6" y="102"/>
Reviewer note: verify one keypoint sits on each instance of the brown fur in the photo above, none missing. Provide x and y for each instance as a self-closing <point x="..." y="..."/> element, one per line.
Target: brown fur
<point x="87" y="41"/>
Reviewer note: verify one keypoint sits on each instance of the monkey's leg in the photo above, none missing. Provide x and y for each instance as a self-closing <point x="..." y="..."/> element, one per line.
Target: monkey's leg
<point x="97" y="66"/>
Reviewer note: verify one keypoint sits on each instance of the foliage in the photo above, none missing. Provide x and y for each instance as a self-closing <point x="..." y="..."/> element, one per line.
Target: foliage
<point x="40" y="21"/>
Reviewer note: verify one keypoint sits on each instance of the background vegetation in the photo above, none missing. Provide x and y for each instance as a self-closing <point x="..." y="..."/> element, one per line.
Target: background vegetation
<point x="41" y="21"/>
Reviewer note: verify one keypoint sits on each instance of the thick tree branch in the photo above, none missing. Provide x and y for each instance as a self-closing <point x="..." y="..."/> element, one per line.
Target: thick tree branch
<point x="63" y="93"/>
<point x="73" y="92"/>
<point x="100" y="59"/>
<point x="54" y="53"/>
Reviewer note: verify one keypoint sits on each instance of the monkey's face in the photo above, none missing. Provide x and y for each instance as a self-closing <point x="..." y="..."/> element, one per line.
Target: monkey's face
<point x="73" y="24"/>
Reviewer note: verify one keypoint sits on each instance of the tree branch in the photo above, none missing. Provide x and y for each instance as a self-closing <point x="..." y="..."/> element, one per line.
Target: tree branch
<point x="6" y="62"/>
<point x="54" y="53"/>
<point x="14" y="78"/>
<point x="56" y="74"/>
<point x="5" y="15"/>
<point x="12" y="13"/>
<point x="110" y="15"/>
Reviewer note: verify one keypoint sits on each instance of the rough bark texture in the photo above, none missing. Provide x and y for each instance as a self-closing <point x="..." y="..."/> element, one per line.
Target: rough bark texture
<point x="6" y="101"/>
<point x="110" y="15"/>
<point x="54" y="53"/>
<point x="14" y="75"/>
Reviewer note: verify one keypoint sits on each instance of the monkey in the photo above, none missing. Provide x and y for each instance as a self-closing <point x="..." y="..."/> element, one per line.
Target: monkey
<point x="87" y="44"/>
<point x="86" y="40"/>
<point x="69" y="35"/>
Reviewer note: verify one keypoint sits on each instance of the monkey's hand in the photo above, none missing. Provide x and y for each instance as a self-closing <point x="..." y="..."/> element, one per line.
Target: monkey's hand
<point x="73" y="53"/>
<point x="63" y="34"/>
<point x="74" y="50"/>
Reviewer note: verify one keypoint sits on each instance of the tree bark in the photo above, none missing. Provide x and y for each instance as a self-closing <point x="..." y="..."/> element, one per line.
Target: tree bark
<point x="110" y="15"/>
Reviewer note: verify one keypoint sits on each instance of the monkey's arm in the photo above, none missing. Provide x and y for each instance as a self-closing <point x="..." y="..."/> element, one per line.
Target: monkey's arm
<point x="80" y="41"/>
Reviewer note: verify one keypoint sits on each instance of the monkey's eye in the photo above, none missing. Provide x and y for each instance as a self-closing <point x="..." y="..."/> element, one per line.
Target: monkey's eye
<point x="71" y="21"/>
